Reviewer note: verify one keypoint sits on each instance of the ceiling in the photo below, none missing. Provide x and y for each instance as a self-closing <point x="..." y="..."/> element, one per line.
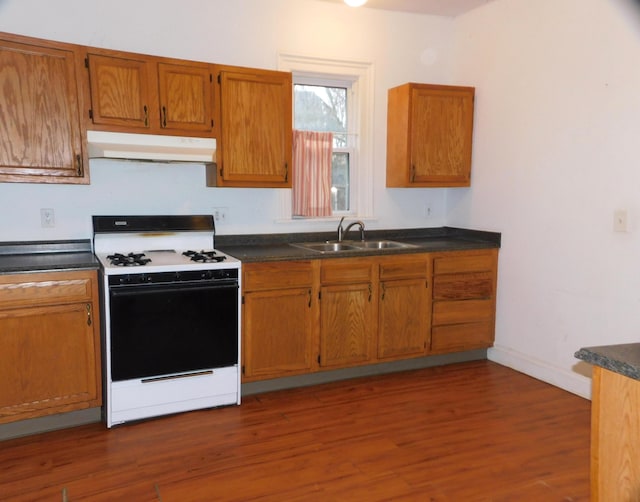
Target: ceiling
<point x="449" y="8"/>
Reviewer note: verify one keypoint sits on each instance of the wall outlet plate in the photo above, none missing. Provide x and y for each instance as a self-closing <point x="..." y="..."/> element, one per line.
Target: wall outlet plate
<point x="47" y="218"/>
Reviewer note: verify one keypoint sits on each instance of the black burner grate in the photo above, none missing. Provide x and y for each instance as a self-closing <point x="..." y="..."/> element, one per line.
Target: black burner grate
<point x="128" y="260"/>
<point x="204" y="256"/>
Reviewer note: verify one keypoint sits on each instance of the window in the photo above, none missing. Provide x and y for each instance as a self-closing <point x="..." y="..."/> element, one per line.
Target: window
<point x="325" y="108"/>
<point x="336" y="96"/>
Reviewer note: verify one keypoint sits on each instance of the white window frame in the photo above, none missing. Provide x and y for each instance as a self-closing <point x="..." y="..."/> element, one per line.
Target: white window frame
<point x="322" y="71"/>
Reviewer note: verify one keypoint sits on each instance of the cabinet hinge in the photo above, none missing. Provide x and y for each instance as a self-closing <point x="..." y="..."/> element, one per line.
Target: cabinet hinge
<point x="242" y="302"/>
<point x="219" y="78"/>
<point x="91" y="114"/>
<point x="211" y="77"/>
<point x="319" y="295"/>
<point x="243" y="369"/>
<point x="211" y="122"/>
<point x="318" y="359"/>
<point x="86" y="62"/>
<point x="221" y="172"/>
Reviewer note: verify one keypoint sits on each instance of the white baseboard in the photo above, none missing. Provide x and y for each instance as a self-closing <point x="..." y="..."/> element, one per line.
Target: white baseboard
<point x="536" y="368"/>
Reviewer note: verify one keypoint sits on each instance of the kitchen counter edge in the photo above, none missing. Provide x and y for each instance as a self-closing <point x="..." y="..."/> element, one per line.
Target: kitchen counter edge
<point x="623" y="359"/>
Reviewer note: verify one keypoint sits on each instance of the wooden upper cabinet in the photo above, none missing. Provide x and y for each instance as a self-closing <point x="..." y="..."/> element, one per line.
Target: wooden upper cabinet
<point x="429" y="135"/>
<point x="256" y="129"/>
<point x="146" y="94"/>
<point x="120" y="91"/>
<point x="40" y="133"/>
<point x="186" y="97"/>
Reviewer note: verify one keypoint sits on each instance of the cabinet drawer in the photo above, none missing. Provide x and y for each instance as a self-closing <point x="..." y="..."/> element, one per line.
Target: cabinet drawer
<point x="464" y="263"/>
<point x="404" y="267"/>
<point x="346" y="271"/>
<point x="463" y="286"/>
<point x="44" y="289"/>
<point x="464" y="311"/>
<point x="277" y="275"/>
<point x="462" y="336"/>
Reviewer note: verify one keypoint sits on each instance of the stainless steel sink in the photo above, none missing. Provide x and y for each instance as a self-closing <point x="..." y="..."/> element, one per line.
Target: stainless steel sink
<point x="336" y="247"/>
<point x="384" y="244"/>
<point x="326" y="247"/>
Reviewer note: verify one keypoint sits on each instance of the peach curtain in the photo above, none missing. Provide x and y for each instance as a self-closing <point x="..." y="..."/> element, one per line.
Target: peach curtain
<point x="312" y="154"/>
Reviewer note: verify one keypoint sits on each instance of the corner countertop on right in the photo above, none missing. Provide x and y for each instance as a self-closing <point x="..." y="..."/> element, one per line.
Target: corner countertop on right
<point x="623" y="359"/>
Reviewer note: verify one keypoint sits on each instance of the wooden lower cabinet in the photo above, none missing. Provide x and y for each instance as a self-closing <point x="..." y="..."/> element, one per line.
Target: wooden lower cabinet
<point x="404" y="310"/>
<point x="347" y="312"/>
<point x="50" y="344"/>
<point x="306" y="316"/>
<point x="615" y="437"/>
<point x="464" y="300"/>
<point x="279" y="314"/>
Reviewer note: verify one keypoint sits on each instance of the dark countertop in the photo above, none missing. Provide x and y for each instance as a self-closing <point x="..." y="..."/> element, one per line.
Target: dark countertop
<point x="277" y="247"/>
<point x="46" y="256"/>
<point x="623" y="359"/>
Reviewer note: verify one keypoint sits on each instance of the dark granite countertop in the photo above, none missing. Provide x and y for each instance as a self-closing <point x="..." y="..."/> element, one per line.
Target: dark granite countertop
<point x="277" y="247"/>
<point x="623" y="359"/>
<point x="46" y="256"/>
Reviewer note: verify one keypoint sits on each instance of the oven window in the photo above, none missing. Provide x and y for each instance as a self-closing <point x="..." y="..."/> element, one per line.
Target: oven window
<point x="172" y="328"/>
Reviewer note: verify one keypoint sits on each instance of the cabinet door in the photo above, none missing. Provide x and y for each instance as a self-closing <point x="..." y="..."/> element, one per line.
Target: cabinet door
<point x="277" y="336"/>
<point x="441" y="131"/>
<point x="404" y="318"/>
<point x="256" y="129"/>
<point x="50" y="344"/>
<point x="53" y="364"/>
<point x="186" y="98"/>
<point x="40" y="116"/>
<point x="121" y="91"/>
<point x="347" y="322"/>
<point x="429" y="135"/>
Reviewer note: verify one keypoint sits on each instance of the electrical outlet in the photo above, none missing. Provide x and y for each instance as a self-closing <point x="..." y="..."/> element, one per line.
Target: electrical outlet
<point x="620" y="220"/>
<point x="427" y="210"/>
<point x="220" y="214"/>
<point x="47" y="218"/>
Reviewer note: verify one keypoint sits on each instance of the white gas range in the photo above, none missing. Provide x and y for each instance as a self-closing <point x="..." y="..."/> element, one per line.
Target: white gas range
<point x="171" y="316"/>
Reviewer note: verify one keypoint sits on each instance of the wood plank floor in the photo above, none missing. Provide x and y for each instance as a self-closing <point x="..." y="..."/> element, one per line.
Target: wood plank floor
<point x="465" y="432"/>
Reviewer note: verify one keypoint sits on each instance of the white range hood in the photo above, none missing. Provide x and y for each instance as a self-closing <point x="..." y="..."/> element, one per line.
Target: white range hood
<point x="117" y="145"/>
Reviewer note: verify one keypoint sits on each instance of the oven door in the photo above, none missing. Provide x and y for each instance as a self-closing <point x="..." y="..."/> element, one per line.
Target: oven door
<point x="172" y="328"/>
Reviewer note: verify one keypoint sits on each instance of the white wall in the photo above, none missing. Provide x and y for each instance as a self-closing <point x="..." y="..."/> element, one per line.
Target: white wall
<point x="401" y="47"/>
<point x="556" y="152"/>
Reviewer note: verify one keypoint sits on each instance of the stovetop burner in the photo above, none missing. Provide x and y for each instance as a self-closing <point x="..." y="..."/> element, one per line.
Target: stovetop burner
<point x="204" y="256"/>
<point x="128" y="260"/>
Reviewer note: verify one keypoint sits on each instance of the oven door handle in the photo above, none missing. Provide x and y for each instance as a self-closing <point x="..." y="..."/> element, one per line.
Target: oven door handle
<point x="135" y="289"/>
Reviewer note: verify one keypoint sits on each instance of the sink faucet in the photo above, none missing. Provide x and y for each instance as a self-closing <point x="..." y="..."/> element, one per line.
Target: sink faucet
<point x="342" y="232"/>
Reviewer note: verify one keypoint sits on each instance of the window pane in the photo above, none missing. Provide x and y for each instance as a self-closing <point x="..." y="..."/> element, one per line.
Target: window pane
<point x="323" y="109"/>
<point x="340" y="182"/>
